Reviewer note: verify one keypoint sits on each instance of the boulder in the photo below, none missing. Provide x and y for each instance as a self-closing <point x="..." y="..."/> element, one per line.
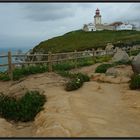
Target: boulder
<point x="109" y="47"/>
<point x="136" y="64"/>
<point x="120" y="70"/>
<point x="120" y="55"/>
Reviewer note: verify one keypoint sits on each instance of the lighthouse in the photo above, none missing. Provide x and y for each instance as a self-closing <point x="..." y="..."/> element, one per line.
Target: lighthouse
<point x="97" y="17"/>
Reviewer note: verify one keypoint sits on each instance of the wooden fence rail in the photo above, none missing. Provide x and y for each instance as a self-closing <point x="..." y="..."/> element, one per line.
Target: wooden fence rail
<point x="50" y="58"/>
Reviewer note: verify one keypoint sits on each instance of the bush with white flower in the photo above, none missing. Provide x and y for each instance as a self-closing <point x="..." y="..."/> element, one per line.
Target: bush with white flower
<point x="76" y="82"/>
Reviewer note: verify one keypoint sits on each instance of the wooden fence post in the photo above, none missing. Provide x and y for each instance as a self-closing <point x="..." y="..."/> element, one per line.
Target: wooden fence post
<point x="75" y="52"/>
<point x="94" y="57"/>
<point x="130" y="52"/>
<point x="10" y="72"/>
<point x="50" y="62"/>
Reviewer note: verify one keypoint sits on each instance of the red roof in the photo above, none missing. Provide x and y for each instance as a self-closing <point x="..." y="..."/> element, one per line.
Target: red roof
<point x="116" y="23"/>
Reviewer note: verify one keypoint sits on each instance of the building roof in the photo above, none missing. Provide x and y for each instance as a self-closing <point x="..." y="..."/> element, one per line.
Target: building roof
<point x="117" y="23"/>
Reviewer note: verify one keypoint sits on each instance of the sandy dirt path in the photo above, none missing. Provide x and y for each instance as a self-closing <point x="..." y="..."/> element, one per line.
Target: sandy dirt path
<point x="96" y="109"/>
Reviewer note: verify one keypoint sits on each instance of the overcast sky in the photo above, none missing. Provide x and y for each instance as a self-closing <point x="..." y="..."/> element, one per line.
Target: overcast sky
<point x="27" y="24"/>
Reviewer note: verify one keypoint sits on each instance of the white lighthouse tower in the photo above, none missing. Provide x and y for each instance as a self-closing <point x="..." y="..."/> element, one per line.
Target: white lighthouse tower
<point x="97" y="17"/>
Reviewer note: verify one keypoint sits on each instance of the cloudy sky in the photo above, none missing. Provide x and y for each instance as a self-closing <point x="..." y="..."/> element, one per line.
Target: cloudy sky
<point x="24" y="25"/>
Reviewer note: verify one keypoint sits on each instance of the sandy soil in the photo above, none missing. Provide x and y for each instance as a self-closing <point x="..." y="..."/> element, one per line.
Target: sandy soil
<point x="96" y="109"/>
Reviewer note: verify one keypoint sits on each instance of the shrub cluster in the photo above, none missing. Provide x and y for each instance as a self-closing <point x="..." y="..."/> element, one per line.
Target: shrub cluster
<point x="134" y="52"/>
<point x="135" y="82"/>
<point x="65" y="74"/>
<point x="74" y="84"/>
<point x="77" y="81"/>
<point x="63" y="66"/>
<point x="21" y="72"/>
<point x="121" y="63"/>
<point x="4" y="76"/>
<point x="103" y="68"/>
<point x="85" y="62"/>
<point x="23" y="109"/>
<point x="100" y="59"/>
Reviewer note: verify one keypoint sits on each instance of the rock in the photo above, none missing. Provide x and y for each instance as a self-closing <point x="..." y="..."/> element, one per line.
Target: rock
<point x="112" y="71"/>
<point x="121" y="70"/>
<point x="116" y="80"/>
<point x="136" y="64"/>
<point x="109" y="47"/>
<point x="120" y="55"/>
<point x="5" y="128"/>
<point x="131" y="57"/>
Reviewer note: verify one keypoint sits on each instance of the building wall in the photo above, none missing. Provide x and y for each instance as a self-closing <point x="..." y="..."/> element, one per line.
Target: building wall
<point x="104" y="27"/>
<point x="91" y="28"/>
<point x="85" y="28"/>
<point x="124" y="27"/>
<point x="97" y="20"/>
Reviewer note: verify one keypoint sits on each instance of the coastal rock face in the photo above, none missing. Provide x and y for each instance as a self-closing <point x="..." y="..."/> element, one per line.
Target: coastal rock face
<point x="136" y="64"/>
<point x="120" y="55"/>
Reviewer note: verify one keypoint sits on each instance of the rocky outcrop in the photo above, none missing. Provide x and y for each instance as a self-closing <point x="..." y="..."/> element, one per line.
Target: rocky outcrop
<point x="110" y="79"/>
<point x="5" y="128"/>
<point x="116" y="75"/>
<point x="121" y="70"/>
<point x="136" y="64"/>
<point x="120" y="55"/>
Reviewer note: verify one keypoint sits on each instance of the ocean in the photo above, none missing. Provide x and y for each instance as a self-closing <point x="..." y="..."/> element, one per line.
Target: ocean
<point x="4" y="51"/>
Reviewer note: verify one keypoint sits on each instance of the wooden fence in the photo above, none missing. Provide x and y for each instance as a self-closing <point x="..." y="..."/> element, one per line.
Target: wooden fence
<point x="50" y="58"/>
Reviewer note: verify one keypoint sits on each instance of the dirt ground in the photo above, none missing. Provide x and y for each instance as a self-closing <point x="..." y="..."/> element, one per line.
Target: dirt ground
<point x="95" y="110"/>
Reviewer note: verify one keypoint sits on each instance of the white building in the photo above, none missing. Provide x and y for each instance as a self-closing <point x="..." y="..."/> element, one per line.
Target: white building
<point x="89" y="27"/>
<point x="124" y="27"/>
<point x="98" y="26"/>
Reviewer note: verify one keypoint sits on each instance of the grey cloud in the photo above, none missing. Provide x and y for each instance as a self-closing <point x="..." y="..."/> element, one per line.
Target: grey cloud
<point x="48" y="11"/>
<point x="132" y="13"/>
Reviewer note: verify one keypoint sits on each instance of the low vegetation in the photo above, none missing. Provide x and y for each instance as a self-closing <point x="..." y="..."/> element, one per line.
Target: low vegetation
<point x="133" y="53"/>
<point x="80" y="40"/>
<point x="62" y="66"/>
<point x="73" y="84"/>
<point x="4" y="76"/>
<point x="103" y="68"/>
<point x="135" y="82"/>
<point x="25" y="71"/>
<point x="76" y="80"/>
<point x="100" y="59"/>
<point x="23" y="109"/>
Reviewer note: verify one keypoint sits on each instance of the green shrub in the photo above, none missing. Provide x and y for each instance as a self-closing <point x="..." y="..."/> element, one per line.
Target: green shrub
<point x="25" y="71"/>
<point x="121" y="63"/>
<point x="77" y="81"/>
<point x="134" y="52"/>
<point x="103" y="68"/>
<point x="83" y="77"/>
<point x="4" y="77"/>
<point x="100" y="59"/>
<point x="74" y="84"/>
<point x="64" y="66"/>
<point x="66" y="74"/>
<point x="135" y="82"/>
<point x="23" y="109"/>
<point x="85" y="62"/>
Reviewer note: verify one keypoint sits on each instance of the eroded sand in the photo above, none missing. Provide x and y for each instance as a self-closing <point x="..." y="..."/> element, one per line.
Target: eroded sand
<point x="96" y="109"/>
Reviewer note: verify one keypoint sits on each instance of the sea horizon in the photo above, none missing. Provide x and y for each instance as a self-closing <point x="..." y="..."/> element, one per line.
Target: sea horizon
<point x="5" y="51"/>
